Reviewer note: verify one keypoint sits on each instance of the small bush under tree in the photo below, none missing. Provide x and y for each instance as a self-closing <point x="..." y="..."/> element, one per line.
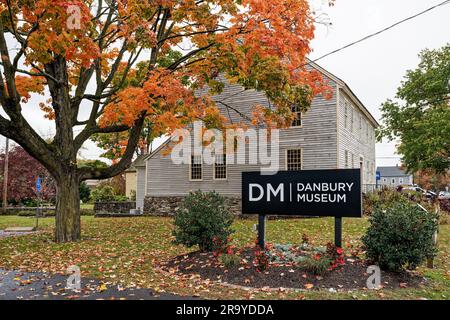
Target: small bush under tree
<point x="400" y="236"/>
<point x="202" y="219"/>
<point x="103" y="193"/>
<point x="85" y="192"/>
<point x="317" y="265"/>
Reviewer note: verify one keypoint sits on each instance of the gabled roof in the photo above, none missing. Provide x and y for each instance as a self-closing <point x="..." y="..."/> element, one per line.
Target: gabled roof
<point x="341" y="84"/>
<point x="392" y="172"/>
<point x="138" y="162"/>
<point x="347" y="90"/>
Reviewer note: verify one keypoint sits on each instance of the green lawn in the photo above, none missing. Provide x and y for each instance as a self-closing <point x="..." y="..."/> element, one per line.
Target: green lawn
<point x="127" y="250"/>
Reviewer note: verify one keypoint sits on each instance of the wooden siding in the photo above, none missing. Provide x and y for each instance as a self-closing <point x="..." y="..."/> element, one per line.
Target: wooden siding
<point x="405" y="180"/>
<point x="355" y="142"/>
<point x="140" y="182"/>
<point x="317" y="138"/>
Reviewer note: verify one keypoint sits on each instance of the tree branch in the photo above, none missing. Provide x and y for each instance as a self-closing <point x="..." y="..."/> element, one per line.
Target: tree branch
<point x="125" y="161"/>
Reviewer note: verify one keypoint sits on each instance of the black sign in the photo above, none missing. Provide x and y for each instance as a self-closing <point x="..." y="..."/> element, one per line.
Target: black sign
<point x="335" y="193"/>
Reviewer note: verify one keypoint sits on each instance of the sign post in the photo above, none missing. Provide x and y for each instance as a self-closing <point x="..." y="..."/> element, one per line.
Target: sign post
<point x="262" y="231"/>
<point x="338" y="232"/>
<point x="332" y="193"/>
<point x="38" y="190"/>
<point x="378" y="178"/>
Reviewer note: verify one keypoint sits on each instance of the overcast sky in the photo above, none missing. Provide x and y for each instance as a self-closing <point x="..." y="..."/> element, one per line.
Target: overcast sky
<point x="373" y="68"/>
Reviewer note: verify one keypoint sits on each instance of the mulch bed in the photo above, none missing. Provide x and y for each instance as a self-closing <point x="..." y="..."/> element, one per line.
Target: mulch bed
<point x="348" y="277"/>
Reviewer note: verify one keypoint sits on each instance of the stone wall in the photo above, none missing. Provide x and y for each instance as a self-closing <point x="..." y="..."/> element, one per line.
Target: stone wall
<point x="167" y="206"/>
<point x="114" y="207"/>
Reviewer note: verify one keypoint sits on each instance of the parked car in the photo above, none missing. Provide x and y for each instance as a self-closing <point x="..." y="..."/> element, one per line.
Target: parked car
<point x="444" y="195"/>
<point x="430" y="194"/>
<point x="426" y="193"/>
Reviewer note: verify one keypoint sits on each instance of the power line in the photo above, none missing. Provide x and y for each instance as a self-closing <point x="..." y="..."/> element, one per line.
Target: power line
<point x="382" y="30"/>
<point x="362" y="39"/>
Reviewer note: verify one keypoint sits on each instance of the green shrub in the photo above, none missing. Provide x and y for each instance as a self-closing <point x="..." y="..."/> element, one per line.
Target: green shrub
<point x="230" y="260"/>
<point x="120" y="198"/>
<point x="103" y="193"/>
<point x="201" y="218"/>
<point x="380" y="198"/>
<point x="400" y="236"/>
<point x="30" y="202"/>
<point x="85" y="192"/>
<point x="316" y="265"/>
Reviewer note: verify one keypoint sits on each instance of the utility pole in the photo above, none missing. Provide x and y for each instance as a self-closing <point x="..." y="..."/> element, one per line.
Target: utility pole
<point x="5" y="177"/>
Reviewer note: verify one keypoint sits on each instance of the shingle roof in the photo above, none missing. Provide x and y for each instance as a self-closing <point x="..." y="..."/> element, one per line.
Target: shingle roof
<point x="139" y="162"/>
<point x="392" y="172"/>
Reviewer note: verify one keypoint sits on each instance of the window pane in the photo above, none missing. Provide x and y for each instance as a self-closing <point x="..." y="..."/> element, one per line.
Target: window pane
<point x="298" y="116"/>
<point x="196" y="167"/>
<point x="220" y="167"/>
<point x="294" y="160"/>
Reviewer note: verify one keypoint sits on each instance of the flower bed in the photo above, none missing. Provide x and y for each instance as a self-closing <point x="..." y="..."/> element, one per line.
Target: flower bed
<point x="286" y="266"/>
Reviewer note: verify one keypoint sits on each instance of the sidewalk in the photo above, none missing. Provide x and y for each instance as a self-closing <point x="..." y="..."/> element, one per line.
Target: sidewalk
<point x="15" y="285"/>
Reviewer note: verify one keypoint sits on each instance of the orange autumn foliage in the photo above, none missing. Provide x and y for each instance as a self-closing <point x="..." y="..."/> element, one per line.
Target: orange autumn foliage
<point x="258" y="44"/>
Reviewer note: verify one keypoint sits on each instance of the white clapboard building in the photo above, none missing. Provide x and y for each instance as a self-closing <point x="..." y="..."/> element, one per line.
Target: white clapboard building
<point x="335" y="133"/>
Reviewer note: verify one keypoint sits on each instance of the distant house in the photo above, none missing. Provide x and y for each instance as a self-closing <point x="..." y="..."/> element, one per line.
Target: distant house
<point x="335" y="133"/>
<point x="130" y="181"/>
<point x="394" y="176"/>
<point x="135" y="181"/>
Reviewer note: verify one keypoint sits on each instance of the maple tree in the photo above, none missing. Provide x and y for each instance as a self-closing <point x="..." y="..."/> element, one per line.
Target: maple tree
<point x="427" y="179"/>
<point x="127" y="63"/>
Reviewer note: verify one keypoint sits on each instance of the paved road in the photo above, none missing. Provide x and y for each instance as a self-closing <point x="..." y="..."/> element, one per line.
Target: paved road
<point x="16" y="285"/>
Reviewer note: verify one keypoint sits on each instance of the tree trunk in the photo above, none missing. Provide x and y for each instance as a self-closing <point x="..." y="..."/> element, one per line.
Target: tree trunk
<point x="67" y="209"/>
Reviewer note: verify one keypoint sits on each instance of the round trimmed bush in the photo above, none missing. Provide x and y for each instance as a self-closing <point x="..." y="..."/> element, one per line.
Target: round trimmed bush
<point x="400" y="236"/>
<point x="203" y="219"/>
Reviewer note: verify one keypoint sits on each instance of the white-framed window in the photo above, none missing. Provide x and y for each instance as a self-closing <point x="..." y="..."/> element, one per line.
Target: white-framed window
<point x="195" y="172"/>
<point x="220" y="167"/>
<point x="298" y="116"/>
<point x="392" y="180"/>
<point x="294" y="159"/>
<point x="384" y="180"/>
<point x="346" y="159"/>
<point x="400" y="180"/>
